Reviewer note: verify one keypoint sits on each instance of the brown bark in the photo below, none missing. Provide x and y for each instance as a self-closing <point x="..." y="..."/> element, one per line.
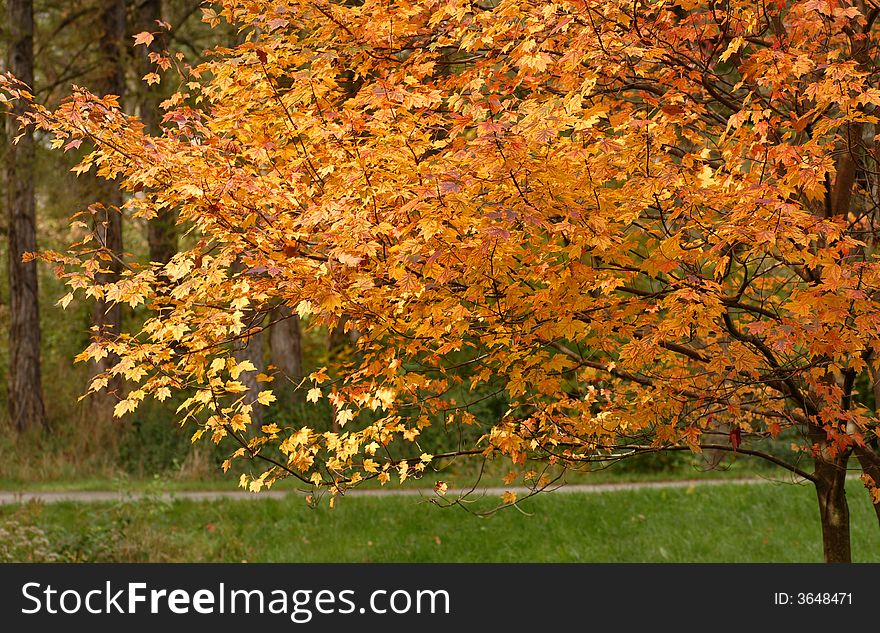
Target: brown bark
<point x="251" y="348"/>
<point x="830" y="481"/>
<point x="834" y="512"/>
<point x="26" y="408"/>
<point x="107" y="317"/>
<point x="842" y="192"/>
<point x="285" y="345"/>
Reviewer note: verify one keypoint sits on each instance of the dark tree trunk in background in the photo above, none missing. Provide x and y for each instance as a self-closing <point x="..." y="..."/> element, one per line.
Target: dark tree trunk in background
<point x="161" y="230"/>
<point x="251" y="349"/>
<point x="285" y="345"/>
<point x="25" y="381"/>
<point x="107" y="318"/>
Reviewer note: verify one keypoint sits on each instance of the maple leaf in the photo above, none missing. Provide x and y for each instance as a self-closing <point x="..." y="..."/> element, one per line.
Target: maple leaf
<point x="344" y="416"/>
<point x="65" y="300"/>
<point x="735" y="438"/>
<point x="145" y="38"/>
<point x="266" y="397"/>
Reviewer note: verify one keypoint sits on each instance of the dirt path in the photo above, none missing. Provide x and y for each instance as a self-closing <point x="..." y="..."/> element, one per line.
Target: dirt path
<point x="209" y="495"/>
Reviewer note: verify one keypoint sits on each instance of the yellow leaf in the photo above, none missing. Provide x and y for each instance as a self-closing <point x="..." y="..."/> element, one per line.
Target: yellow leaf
<point x="732" y="48"/>
<point x="266" y="398"/>
<point x="124" y="406"/>
<point x="313" y="395"/>
<point x="304" y="309"/>
<point x="343" y="416"/>
<point x="216" y="366"/>
<point x="65" y="300"/>
<point x="234" y="386"/>
<point x="244" y="365"/>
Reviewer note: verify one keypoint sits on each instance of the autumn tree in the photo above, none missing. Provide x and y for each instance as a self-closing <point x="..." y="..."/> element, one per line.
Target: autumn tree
<point x="26" y="408"/>
<point x="650" y="220"/>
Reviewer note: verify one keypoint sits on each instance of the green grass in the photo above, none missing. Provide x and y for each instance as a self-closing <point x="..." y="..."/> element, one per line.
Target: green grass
<point x="729" y="523"/>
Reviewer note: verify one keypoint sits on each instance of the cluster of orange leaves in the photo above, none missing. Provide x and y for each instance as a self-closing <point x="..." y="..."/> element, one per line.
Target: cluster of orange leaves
<point x="620" y="210"/>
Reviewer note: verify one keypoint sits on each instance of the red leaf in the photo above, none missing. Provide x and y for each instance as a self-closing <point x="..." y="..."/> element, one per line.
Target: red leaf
<point x="261" y="54"/>
<point x="735" y="438"/>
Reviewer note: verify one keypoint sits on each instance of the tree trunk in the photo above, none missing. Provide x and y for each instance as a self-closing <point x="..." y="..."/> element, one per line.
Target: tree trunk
<point x="161" y="230"/>
<point x="25" y="380"/>
<point x="251" y="349"/>
<point x="285" y="343"/>
<point x="830" y="483"/>
<point x="107" y="317"/>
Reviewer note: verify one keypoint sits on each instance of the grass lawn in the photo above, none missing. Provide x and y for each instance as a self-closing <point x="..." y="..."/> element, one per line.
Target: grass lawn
<point x="729" y="523"/>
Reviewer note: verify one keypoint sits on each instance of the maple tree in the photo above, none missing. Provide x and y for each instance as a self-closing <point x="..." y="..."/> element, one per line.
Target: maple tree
<point x="655" y="222"/>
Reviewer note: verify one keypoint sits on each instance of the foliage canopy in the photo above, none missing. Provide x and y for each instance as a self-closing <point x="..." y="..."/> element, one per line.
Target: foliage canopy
<point x="649" y="220"/>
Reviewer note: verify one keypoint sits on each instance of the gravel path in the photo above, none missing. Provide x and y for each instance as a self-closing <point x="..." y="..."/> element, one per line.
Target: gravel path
<point x="211" y="495"/>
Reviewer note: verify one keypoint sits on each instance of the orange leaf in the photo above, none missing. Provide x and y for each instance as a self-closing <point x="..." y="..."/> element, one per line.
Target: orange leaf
<point x="145" y="38"/>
